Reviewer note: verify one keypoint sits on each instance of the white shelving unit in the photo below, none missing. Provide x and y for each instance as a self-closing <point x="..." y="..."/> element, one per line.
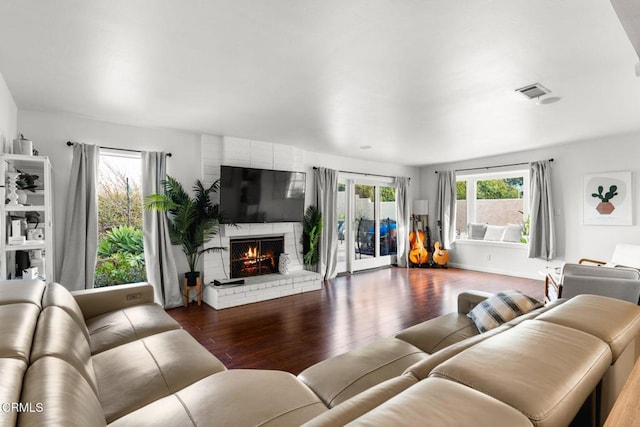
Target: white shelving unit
<point x="40" y="201"/>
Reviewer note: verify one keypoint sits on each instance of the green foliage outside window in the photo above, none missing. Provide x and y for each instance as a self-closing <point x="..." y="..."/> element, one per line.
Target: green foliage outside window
<point x="115" y="207"/>
<point x="499" y="189"/>
<point x="120" y="248"/>
<point x="509" y="188"/>
<point x="461" y="190"/>
<point x="120" y="257"/>
<point x="387" y="194"/>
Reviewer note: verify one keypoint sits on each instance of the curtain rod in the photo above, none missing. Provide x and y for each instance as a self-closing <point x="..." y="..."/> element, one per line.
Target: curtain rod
<point x="365" y="174"/>
<point x="69" y="144"/>
<point x="497" y="166"/>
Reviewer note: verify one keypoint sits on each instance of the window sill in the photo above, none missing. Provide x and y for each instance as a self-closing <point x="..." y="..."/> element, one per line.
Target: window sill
<point x="492" y="243"/>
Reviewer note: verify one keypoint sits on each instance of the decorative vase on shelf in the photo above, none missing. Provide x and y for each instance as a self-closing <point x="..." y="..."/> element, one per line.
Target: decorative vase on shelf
<point x="12" y="188"/>
<point x="22" y="197"/>
<point x="283" y="263"/>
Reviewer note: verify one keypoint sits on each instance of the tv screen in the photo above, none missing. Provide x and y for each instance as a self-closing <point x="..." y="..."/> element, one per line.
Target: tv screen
<point x="261" y="195"/>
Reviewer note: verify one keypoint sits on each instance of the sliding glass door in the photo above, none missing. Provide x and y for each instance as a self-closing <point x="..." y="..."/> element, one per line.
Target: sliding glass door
<point x="366" y="223"/>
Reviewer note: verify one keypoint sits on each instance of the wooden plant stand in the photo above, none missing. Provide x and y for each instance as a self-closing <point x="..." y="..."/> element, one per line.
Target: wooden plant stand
<point x="186" y="289"/>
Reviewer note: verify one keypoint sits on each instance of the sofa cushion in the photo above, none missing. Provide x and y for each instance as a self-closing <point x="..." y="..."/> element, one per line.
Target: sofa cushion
<point x="435" y="334"/>
<point x="17" y="326"/>
<point x="618" y="322"/>
<point x="239" y="397"/>
<point x="19" y="291"/>
<point x="64" y="395"/>
<point x="58" y="335"/>
<point x="500" y="308"/>
<point x="438" y="402"/>
<point x="362" y="403"/>
<point x="128" y="324"/>
<point x="11" y="371"/>
<point x="421" y="370"/>
<point x="339" y="378"/>
<point x="58" y="296"/>
<point x="563" y="366"/>
<point x="132" y="375"/>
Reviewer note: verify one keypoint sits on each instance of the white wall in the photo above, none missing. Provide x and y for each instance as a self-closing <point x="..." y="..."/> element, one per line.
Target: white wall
<point x="8" y="117"/>
<point x="575" y="240"/>
<point x="347" y="164"/>
<point x="51" y="131"/>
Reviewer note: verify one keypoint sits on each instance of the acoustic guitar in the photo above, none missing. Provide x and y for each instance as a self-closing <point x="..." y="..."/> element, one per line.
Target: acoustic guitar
<point x="418" y="253"/>
<point x="440" y="255"/>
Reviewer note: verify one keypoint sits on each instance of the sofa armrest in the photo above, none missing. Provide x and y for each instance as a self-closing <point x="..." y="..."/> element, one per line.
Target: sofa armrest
<point x="469" y="299"/>
<point x="97" y="301"/>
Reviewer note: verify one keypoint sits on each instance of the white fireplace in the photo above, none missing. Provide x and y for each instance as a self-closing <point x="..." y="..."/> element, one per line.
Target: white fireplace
<point x="217" y="266"/>
<point x="231" y="151"/>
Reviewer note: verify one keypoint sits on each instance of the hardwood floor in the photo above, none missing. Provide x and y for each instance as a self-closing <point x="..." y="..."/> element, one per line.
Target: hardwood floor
<point x="294" y="332"/>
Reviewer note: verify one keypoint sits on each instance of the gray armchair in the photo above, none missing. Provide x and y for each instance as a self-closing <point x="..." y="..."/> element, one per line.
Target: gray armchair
<point x="615" y="282"/>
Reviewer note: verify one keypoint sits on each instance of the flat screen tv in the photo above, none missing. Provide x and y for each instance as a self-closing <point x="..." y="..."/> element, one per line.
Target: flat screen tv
<point x="250" y="195"/>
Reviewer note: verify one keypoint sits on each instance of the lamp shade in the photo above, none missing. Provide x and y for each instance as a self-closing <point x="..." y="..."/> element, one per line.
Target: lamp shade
<point x="421" y="207"/>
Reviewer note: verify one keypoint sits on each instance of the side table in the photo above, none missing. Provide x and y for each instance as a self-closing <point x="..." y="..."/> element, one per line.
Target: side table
<point x="186" y="288"/>
<point x="552" y="285"/>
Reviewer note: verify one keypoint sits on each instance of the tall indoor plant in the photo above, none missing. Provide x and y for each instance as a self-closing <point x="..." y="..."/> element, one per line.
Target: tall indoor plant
<point x="311" y="231"/>
<point x="193" y="221"/>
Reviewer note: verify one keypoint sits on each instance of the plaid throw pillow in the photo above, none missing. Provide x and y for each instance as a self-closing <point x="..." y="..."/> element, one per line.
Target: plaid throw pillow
<point x="500" y="308"/>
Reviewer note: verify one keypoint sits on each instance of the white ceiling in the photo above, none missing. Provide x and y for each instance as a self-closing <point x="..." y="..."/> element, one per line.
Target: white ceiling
<point x="420" y="81"/>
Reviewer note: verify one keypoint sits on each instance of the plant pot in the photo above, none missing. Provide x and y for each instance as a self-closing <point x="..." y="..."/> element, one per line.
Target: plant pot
<point x="605" y="208"/>
<point x="192" y="277"/>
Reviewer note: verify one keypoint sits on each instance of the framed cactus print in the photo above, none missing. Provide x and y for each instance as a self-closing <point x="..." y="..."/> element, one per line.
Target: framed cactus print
<point x="607" y="199"/>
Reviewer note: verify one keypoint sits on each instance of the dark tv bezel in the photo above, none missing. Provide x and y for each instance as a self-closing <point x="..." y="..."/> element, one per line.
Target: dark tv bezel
<point x="236" y="221"/>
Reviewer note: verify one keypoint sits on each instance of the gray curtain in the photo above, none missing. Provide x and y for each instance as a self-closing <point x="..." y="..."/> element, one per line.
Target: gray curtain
<point x="446" y="208"/>
<point x="80" y="246"/>
<point x="402" y="220"/>
<point x="162" y="273"/>
<point x="327" y="193"/>
<point x="542" y="234"/>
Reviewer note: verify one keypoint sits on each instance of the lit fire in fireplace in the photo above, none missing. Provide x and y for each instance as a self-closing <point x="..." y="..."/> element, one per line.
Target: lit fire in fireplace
<point x="252" y="257"/>
<point x="251" y="253"/>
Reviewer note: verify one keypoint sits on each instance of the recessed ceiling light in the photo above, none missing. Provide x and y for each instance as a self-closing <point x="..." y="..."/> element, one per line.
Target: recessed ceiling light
<point x="365" y="147"/>
<point x="549" y="100"/>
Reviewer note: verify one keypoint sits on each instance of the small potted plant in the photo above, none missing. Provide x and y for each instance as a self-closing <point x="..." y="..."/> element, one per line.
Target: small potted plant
<point x="25" y="182"/>
<point x="33" y="219"/>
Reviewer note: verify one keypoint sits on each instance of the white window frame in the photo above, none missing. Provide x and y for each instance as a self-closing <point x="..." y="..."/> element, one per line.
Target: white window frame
<point x="471" y="180"/>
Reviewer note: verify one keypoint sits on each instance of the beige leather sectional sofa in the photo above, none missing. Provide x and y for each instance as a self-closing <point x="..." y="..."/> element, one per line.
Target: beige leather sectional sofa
<point x="111" y="356"/>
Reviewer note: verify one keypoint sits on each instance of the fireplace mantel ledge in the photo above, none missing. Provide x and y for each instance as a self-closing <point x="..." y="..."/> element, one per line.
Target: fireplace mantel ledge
<point x="262" y="288"/>
<point x="258" y="229"/>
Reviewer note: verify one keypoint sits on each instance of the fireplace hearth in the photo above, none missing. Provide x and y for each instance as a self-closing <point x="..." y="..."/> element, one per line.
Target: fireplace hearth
<point x="255" y="256"/>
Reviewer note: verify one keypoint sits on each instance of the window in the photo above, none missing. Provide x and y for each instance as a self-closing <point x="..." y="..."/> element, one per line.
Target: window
<point x="366" y="233"/>
<point x="120" y="243"/>
<point x="388" y="230"/>
<point x="493" y="206"/>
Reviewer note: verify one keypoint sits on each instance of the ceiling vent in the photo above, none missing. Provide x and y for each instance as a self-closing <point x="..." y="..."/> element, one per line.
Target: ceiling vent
<point x="533" y="91"/>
